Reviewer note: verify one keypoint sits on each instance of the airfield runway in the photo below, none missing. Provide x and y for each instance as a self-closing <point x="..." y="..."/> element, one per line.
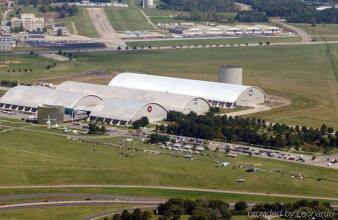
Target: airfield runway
<point x="104" y="28"/>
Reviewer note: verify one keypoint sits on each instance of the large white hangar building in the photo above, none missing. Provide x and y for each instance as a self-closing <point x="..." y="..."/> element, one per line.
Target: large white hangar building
<point x="28" y="98"/>
<point x="171" y="102"/>
<point x="123" y="111"/>
<point x="217" y="93"/>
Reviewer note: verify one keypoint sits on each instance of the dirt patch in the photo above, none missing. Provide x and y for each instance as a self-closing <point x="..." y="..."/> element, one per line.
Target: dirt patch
<point x="98" y="77"/>
<point x="274" y="101"/>
<point x="9" y="62"/>
<point x="4" y="64"/>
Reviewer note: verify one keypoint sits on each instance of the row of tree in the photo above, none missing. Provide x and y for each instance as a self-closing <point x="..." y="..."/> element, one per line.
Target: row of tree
<point x="96" y="128"/>
<point x="201" y="5"/>
<point x="293" y="11"/>
<point x="249" y="130"/>
<point x="197" y="209"/>
<point x="137" y="214"/>
<point x="218" y="209"/>
<point x="141" y="123"/>
<point x="63" y="10"/>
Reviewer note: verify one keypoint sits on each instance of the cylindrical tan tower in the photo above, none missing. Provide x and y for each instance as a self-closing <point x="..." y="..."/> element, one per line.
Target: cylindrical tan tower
<point x="148" y="3"/>
<point x="230" y="74"/>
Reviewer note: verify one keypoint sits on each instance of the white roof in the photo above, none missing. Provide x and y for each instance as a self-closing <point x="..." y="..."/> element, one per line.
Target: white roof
<point x="214" y="91"/>
<point x="172" y="102"/>
<point x="115" y="108"/>
<point x="223" y="27"/>
<point x="30" y="96"/>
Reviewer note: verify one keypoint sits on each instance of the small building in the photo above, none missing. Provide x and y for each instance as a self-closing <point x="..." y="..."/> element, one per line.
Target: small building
<point x="60" y="29"/>
<point x="268" y="30"/>
<point x="53" y="113"/>
<point x="35" y="35"/>
<point x="213" y="31"/>
<point x="234" y="31"/>
<point x="193" y="32"/>
<point x="15" y="22"/>
<point x="6" y="42"/>
<point x="29" y="22"/>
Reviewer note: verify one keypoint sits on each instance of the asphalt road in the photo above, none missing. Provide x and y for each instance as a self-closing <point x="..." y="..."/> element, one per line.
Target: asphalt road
<point x="168" y="188"/>
<point x="305" y="36"/>
<point x="75" y="203"/>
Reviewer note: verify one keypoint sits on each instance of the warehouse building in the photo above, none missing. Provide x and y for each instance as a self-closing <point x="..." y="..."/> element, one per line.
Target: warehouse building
<point x="104" y="103"/>
<point x="123" y="111"/>
<point x="171" y="102"/>
<point x="220" y="94"/>
<point x="27" y="99"/>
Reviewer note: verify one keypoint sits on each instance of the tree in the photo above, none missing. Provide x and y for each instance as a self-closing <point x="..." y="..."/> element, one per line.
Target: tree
<point x="117" y="217"/>
<point x="323" y="129"/>
<point x="137" y="214"/>
<point x="59" y="32"/>
<point x="125" y="215"/>
<point x="241" y="206"/>
<point x="142" y="122"/>
<point x="146" y="215"/>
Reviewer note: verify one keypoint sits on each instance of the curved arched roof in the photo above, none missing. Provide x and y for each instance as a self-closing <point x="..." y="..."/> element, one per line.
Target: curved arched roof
<point x="224" y="92"/>
<point x="120" y="109"/>
<point x="172" y="102"/>
<point x="30" y="96"/>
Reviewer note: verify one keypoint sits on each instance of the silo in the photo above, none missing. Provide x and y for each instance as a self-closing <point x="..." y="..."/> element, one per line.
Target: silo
<point x="148" y="3"/>
<point x="54" y="113"/>
<point x="230" y="74"/>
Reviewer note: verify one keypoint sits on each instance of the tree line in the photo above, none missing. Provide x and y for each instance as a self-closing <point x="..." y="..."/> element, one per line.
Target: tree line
<point x="199" y="209"/>
<point x="63" y="10"/>
<point x="250" y="130"/>
<point x="294" y="11"/>
<point x="201" y="5"/>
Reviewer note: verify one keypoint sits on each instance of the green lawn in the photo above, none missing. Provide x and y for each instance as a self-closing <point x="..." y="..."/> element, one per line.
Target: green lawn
<point x="25" y="9"/>
<point x="127" y="19"/>
<point x="319" y="29"/>
<point x="29" y="158"/>
<point x="154" y="12"/>
<point x="193" y="42"/>
<point x="82" y="22"/>
<point x="327" y="32"/>
<point x="162" y="16"/>
<point x="56" y="213"/>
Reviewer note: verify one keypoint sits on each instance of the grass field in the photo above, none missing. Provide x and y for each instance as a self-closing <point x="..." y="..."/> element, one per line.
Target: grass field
<point x="300" y="73"/>
<point x="29" y="157"/>
<point x="25" y="9"/>
<point x="243" y="40"/>
<point x="82" y="23"/>
<point x="56" y="213"/>
<point x="321" y="31"/>
<point x="127" y="19"/>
